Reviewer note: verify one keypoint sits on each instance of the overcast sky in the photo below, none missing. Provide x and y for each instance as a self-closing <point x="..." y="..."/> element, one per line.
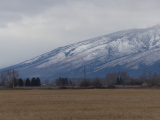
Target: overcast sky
<point x="29" y="28"/>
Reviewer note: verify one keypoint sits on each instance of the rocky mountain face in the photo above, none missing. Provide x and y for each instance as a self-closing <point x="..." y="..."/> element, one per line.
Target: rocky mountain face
<point x="132" y="51"/>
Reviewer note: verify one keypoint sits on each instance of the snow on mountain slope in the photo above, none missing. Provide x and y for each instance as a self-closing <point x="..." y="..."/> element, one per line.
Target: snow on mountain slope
<point x="133" y="61"/>
<point x="130" y="50"/>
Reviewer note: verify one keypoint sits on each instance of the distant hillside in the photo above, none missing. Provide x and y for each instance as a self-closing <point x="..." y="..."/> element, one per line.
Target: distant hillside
<point x="130" y="50"/>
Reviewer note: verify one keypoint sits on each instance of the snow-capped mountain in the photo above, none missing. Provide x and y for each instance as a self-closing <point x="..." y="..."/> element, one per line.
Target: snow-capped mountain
<point x="130" y="50"/>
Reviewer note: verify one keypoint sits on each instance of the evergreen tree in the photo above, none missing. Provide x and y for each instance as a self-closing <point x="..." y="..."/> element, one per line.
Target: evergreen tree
<point x="38" y="82"/>
<point x="62" y="82"/>
<point x="20" y="82"/>
<point x="33" y="82"/>
<point x="28" y="82"/>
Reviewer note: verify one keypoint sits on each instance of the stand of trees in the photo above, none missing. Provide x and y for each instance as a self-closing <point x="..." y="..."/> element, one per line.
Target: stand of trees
<point x="96" y="83"/>
<point x="10" y="79"/>
<point x="117" y="78"/>
<point x="63" y="82"/>
<point x="33" y="82"/>
<point x="122" y="78"/>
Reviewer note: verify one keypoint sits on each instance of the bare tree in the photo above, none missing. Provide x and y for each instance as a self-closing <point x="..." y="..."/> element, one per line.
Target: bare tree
<point x="97" y="83"/>
<point x="111" y="78"/>
<point x="144" y="77"/>
<point x="119" y="78"/>
<point x="9" y="78"/>
<point x="154" y="79"/>
<point x="122" y="77"/>
<point x="85" y="83"/>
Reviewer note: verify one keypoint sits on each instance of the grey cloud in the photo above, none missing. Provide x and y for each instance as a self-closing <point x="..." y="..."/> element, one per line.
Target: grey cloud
<point x="26" y="6"/>
<point x="38" y="26"/>
<point x="14" y="10"/>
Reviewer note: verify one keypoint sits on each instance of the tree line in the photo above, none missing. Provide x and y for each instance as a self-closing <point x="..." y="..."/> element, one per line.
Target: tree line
<point x="11" y="79"/>
<point x="122" y="78"/>
<point x="115" y="78"/>
<point x="64" y="82"/>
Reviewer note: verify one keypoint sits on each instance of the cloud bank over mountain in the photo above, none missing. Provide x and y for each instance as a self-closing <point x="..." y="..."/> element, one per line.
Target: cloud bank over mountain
<point x="30" y="28"/>
<point x="132" y="51"/>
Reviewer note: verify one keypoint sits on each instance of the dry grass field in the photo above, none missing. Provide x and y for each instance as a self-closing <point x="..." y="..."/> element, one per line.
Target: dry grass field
<point x="93" y="104"/>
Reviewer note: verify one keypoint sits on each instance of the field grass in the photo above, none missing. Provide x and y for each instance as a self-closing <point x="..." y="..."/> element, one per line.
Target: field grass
<point x="91" y="104"/>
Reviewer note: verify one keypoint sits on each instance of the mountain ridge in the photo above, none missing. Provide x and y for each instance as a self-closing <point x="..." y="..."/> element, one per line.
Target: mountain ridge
<point x="129" y="50"/>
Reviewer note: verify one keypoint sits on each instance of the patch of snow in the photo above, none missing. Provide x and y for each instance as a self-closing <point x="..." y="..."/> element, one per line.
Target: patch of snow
<point x="135" y="67"/>
<point x="53" y="60"/>
<point x="31" y="60"/>
<point x="80" y="49"/>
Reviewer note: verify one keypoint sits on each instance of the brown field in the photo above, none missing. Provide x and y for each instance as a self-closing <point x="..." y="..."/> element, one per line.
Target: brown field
<point x="93" y="104"/>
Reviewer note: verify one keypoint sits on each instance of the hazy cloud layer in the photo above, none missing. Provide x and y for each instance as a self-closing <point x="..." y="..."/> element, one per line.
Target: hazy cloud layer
<point x="31" y="27"/>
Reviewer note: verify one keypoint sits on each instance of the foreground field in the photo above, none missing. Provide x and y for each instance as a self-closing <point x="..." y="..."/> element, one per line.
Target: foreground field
<point x="94" y="104"/>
